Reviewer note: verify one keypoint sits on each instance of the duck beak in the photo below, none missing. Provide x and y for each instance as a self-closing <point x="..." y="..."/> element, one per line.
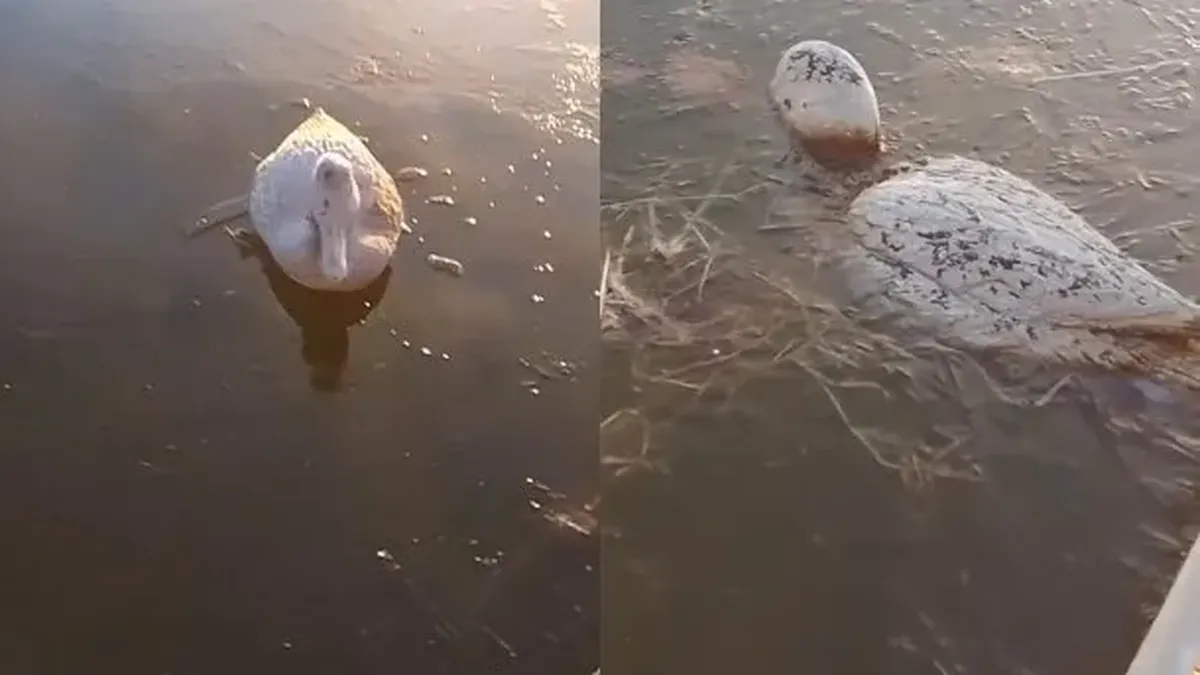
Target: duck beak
<point x="333" y="254"/>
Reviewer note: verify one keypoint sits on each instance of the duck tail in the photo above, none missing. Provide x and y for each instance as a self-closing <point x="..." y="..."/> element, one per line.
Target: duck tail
<point x="1165" y="345"/>
<point x="218" y="214"/>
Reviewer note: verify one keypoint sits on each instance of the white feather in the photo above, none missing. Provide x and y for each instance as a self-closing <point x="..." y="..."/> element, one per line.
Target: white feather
<point x="971" y="250"/>
<point x="284" y="195"/>
<point x="822" y="95"/>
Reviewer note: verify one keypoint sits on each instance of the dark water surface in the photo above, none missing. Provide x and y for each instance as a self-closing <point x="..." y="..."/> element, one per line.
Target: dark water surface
<point x="776" y="544"/>
<point x="177" y="492"/>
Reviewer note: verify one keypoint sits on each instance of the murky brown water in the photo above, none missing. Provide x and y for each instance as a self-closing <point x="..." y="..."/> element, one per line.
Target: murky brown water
<point x="776" y="544"/>
<point x="179" y="494"/>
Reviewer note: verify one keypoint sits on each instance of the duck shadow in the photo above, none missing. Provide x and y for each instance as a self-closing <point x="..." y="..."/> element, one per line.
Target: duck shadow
<point x="323" y="317"/>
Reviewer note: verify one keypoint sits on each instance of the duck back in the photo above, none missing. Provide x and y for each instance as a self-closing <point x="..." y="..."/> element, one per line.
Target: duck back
<point x="284" y="194"/>
<point x="972" y="253"/>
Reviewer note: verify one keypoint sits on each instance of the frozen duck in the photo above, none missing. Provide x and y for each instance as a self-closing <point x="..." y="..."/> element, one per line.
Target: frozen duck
<point x="825" y="102"/>
<point x="323" y="206"/>
<point x="966" y="251"/>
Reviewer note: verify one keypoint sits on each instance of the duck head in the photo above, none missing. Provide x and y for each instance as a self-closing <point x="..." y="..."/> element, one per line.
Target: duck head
<point x="336" y="212"/>
<point x="825" y="103"/>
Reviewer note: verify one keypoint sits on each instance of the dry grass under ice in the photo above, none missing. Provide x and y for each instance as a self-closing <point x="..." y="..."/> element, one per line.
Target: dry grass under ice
<point x="695" y="320"/>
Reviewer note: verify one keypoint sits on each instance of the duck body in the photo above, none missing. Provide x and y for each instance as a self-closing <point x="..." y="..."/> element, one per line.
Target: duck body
<point x="966" y="252"/>
<point x="965" y="249"/>
<point x="287" y="206"/>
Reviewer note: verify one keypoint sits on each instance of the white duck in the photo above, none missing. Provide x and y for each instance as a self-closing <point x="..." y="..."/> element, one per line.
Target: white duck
<point x="326" y="209"/>
<point x="968" y="251"/>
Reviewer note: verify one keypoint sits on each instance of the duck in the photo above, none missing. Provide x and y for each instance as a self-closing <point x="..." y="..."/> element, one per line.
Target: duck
<point x="965" y="252"/>
<point x="825" y="102"/>
<point x="323" y="206"/>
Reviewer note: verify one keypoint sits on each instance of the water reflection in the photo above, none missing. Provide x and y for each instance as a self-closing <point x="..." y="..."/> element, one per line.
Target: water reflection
<point x="324" y="317"/>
